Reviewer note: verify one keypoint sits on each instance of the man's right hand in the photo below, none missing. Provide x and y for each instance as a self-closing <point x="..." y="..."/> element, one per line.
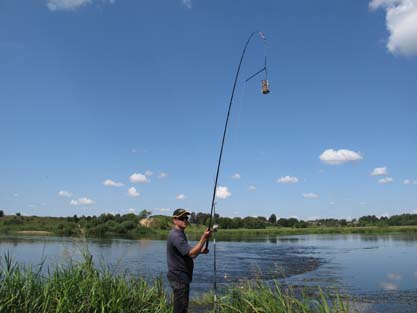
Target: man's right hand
<point x="206" y="235"/>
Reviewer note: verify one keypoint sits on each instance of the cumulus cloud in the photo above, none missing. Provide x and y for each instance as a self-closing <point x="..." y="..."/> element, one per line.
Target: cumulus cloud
<point x="131" y="210"/>
<point x="162" y="175"/>
<point x="55" y="5"/>
<point x="385" y="180"/>
<point x="379" y="171"/>
<point x="252" y="188"/>
<point x="410" y="181"/>
<point x="111" y="183"/>
<point x="401" y="20"/>
<point x="335" y="157"/>
<point x="181" y="197"/>
<point x="187" y="3"/>
<point x="162" y="209"/>
<point x="138" y="178"/>
<point x="82" y="201"/>
<point x="132" y="192"/>
<point x="148" y="173"/>
<point x="236" y="176"/>
<point x="287" y="180"/>
<point x="310" y="195"/>
<point x="222" y="192"/>
<point x="64" y="193"/>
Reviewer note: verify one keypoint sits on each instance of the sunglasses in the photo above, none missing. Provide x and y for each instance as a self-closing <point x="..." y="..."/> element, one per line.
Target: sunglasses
<point x="183" y="218"/>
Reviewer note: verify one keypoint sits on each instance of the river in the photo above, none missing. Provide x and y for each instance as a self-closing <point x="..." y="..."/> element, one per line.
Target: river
<point x="379" y="272"/>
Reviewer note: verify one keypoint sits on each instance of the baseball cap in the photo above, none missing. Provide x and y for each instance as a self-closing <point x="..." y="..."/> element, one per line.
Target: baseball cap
<point x="180" y="212"/>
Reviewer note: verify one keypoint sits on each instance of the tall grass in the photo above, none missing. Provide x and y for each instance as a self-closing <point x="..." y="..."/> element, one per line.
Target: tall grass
<point x="267" y="298"/>
<point x="76" y="288"/>
<point x="82" y="288"/>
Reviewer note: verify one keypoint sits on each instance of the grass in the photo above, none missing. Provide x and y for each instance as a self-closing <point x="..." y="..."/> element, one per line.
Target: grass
<point x="81" y="287"/>
<point x="267" y="298"/>
<point x="76" y="288"/>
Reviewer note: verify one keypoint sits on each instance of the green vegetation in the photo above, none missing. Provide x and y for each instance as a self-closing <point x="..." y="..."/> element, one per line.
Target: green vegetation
<point x="80" y="287"/>
<point x="261" y="297"/>
<point x="76" y="288"/>
<point x="143" y="225"/>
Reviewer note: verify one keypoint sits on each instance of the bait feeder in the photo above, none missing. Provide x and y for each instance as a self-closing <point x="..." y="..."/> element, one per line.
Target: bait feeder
<point x="265" y="86"/>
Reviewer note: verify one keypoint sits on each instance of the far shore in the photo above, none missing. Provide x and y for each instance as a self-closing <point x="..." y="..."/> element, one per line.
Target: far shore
<point x="244" y="233"/>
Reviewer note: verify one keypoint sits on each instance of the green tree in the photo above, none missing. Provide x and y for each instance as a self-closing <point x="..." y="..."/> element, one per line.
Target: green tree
<point x="272" y="219"/>
<point x="1" y="213"/>
<point x="144" y="214"/>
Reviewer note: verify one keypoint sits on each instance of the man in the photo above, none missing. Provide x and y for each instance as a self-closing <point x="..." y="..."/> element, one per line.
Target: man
<point x="180" y="258"/>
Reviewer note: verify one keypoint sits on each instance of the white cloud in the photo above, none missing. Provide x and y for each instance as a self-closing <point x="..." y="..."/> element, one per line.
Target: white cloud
<point x="131" y="210"/>
<point x="138" y="178"/>
<point x="132" y="192"/>
<point x="407" y="181"/>
<point x="162" y="209"/>
<point x="287" y="180"/>
<point x="401" y="20"/>
<point x="335" y="157"/>
<point x="64" y="193"/>
<point x="187" y="3"/>
<point x="82" y="201"/>
<point x="236" y="176"/>
<point x="252" y="188"/>
<point x="181" y="197"/>
<point x="332" y="203"/>
<point x="310" y="195"/>
<point x="148" y="173"/>
<point x="55" y="5"/>
<point x="379" y="171"/>
<point x="162" y="175"/>
<point x="110" y="183"/>
<point x="385" y="180"/>
<point x="222" y="192"/>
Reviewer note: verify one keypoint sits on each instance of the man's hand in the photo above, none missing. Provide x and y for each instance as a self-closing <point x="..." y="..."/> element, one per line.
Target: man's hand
<point x="204" y="251"/>
<point x="206" y="235"/>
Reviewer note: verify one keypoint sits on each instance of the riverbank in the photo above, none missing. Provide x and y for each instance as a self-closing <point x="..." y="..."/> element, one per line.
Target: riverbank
<point x="231" y="234"/>
<point x="81" y="287"/>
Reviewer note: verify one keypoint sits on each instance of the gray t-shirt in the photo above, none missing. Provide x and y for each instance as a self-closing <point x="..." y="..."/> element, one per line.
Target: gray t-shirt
<point x="180" y="265"/>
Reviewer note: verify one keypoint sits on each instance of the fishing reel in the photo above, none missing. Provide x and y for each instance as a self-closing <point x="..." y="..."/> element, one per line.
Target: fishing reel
<point x="215" y="227"/>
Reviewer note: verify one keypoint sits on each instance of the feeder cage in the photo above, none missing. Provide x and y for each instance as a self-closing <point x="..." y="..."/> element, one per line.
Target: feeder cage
<point x="265" y="86"/>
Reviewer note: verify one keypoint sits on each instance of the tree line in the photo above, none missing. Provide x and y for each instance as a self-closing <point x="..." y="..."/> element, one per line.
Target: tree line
<point x="129" y="225"/>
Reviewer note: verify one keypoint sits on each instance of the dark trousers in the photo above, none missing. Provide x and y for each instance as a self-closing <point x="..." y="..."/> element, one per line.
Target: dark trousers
<point x="181" y="293"/>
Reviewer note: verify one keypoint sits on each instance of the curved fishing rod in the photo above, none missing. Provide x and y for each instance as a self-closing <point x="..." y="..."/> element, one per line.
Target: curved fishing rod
<point x="265" y="90"/>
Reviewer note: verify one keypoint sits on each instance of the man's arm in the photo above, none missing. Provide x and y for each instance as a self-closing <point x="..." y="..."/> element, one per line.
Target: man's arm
<point x="199" y="247"/>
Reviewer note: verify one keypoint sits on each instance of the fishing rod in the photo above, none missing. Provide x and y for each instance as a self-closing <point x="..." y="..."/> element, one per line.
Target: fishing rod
<point x="265" y="90"/>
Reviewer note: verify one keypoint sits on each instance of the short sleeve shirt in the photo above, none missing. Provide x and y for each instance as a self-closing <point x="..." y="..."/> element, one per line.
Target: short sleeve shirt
<point x="180" y="264"/>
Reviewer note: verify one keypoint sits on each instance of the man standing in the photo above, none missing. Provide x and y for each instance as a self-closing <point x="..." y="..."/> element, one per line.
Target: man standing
<point x="180" y="258"/>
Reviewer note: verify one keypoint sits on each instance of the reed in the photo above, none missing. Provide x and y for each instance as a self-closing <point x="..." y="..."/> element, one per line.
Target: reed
<point x="77" y="287"/>
<point x="82" y="288"/>
<point x="273" y="298"/>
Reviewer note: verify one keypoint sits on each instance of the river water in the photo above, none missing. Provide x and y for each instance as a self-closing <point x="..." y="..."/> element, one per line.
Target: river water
<point x="379" y="272"/>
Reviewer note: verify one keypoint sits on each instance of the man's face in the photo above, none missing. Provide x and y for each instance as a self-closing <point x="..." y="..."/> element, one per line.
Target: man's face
<point x="181" y="222"/>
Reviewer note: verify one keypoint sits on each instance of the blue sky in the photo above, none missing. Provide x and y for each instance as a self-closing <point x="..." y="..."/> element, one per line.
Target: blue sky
<point x="119" y="106"/>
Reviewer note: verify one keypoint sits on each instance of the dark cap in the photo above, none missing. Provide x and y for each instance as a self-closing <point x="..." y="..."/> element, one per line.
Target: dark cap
<point x="180" y="212"/>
